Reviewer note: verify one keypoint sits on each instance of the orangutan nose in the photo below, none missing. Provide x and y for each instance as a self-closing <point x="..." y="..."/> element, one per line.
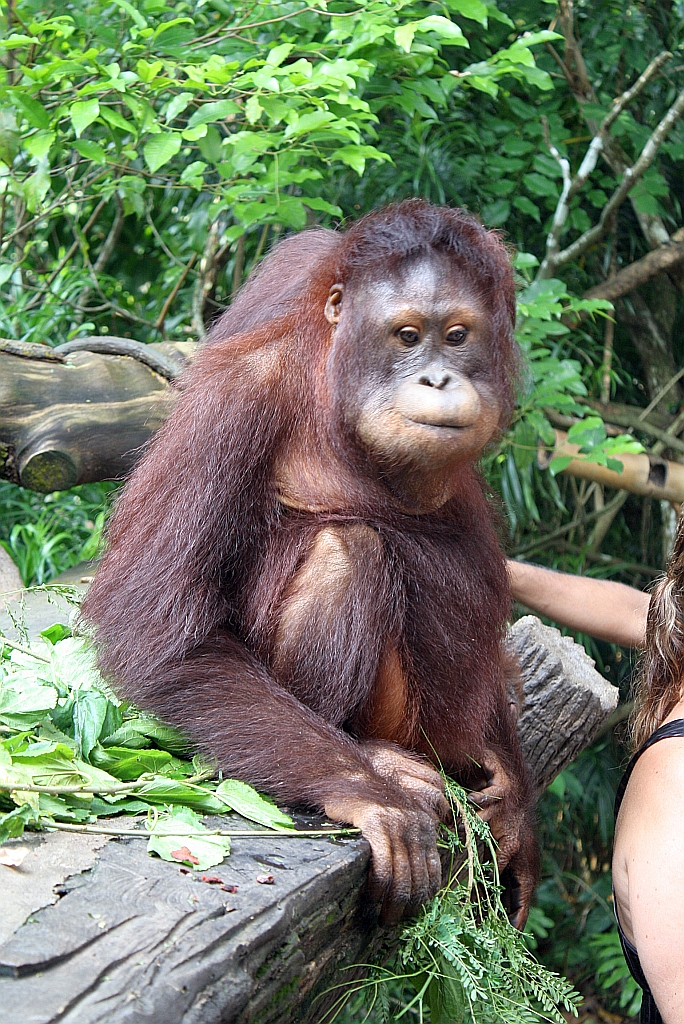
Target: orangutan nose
<point x="435" y="378"/>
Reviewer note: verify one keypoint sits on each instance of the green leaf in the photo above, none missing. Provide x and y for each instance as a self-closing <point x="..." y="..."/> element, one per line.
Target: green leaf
<point x="124" y="5"/>
<point x="38" y="145"/>
<point x="148" y="72"/>
<point x="210" y="146"/>
<point x="115" y="119"/>
<point x="447" y="31"/>
<point x="89" y="709"/>
<point x="172" y="791"/>
<point x="177" y="105"/>
<point x="83" y="113"/>
<point x="6" y="271"/>
<point x="323" y="205"/>
<point x="193" y="134"/>
<point x="181" y="838"/>
<point x="559" y="463"/>
<point x="278" y="54"/>
<point x="21" y="694"/>
<point x="495" y="214"/>
<point x="37" y="187"/>
<point x="217" y="111"/>
<point x="91" y="151"/>
<point x="160" y="149"/>
<point x="524" y="260"/>
<point x="250" y="804"/>
<point x="356" y="156"/>
<point x="192" y="174"/>
<point x="526" y="205"/>
<point x="34" y="112"/>
<point x="12" y="825"/>
<point x="310" y="122"/>
<point x="403" y="35"/>
<point x="473" y="9"/>
<point x="253" y="109"/>
<point x="53" y="634"/>
<point x="74" y="664"/>
<point x="129" y="765"/>
<point x="591" y="431"/>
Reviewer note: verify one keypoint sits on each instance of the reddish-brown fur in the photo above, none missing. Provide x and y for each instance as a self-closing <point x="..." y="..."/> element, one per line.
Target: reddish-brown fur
<point x="202" y="557"/>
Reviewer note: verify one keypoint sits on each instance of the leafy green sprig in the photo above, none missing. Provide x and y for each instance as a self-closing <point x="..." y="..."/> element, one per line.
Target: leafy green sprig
<point x="462" y="961"/>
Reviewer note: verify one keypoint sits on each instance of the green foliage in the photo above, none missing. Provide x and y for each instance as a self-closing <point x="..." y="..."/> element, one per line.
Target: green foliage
<point x="71" y="752"/>
<point x="46" y="534"/>
<point x="180" y="837"/>
<point x="199" y="120"/>
<point x="461" y="961"/>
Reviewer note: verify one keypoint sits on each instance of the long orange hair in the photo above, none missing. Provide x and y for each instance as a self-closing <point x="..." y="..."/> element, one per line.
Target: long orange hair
<point x="659" y="685"/>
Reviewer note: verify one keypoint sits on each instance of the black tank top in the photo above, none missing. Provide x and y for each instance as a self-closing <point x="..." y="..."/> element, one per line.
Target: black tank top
<point x="650" y="1014"/>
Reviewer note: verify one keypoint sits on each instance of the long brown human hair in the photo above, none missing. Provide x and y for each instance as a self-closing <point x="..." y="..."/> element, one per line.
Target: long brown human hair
<point x="660" y="680"/>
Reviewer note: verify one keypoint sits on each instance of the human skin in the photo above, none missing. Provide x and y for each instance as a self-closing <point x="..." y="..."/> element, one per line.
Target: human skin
<point x="648" y="869"/>
<point x="602" y="608"/>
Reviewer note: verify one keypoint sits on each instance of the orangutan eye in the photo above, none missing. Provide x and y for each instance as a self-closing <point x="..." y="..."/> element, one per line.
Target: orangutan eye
<point x="409" y="336"/>
<point x="457" y="335"/>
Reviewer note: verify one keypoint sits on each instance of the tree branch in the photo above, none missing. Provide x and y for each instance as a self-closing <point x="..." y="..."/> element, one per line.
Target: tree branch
<point x="174" y="292"/>
<point x="641" y="271"/>
<point x="206" y="278"/>
<point x="629" y="179"/>
<point x="107" y="249"/>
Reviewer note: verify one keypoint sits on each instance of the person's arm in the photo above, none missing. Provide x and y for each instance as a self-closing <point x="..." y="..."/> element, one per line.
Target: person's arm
<point x="604" y="609"/>
<point x="649" y="841"/>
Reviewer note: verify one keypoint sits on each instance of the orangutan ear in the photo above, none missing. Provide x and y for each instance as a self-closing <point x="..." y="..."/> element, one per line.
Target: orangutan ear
<point x="333" y="306"/>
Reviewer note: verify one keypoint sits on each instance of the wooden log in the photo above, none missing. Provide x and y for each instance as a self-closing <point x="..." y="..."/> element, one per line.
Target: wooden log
<point x="114" y="935"/>
<point x="71" y="418"/>
<point x="641" y="474"/>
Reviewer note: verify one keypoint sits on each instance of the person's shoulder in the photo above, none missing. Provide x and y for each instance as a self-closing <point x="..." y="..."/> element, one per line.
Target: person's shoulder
<point x="658" y="778"/>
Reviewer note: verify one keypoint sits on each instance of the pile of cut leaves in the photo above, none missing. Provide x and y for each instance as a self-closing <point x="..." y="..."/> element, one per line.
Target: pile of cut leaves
<point x="72" y="753"/>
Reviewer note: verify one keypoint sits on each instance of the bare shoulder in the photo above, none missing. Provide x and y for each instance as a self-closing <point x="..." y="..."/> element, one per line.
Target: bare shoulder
<point x="656" y="786"/>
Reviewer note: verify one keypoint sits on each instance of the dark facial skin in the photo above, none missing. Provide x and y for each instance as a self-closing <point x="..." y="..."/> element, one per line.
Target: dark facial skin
<point x="411" y="368"/>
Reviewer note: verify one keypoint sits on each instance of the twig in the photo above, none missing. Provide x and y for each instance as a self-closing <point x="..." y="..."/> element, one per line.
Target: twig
<point x="22" y="650"/>
<point x="661" y="394"/>
<point x="634" y="90"/>
<point x="670" y="435"/>
<point x="206" y="278"/>
<point x="245" y="833"/>
<point x="211" y="36"/>
<point x="554" y="258"/>
<point x="67" y="256"/>
<point x="600" y="558"/>
<point x="609" y="332"/>
<point x="469" y="843"/>
<point x="174" y="292"/>
<point x="661" y="259"/>
<point x="604" y="521"/>
<point x="160" y="240"/>
<point x="239" y="265"/>
<point x="578" y="521"/>
<point x="107" y="249"/>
